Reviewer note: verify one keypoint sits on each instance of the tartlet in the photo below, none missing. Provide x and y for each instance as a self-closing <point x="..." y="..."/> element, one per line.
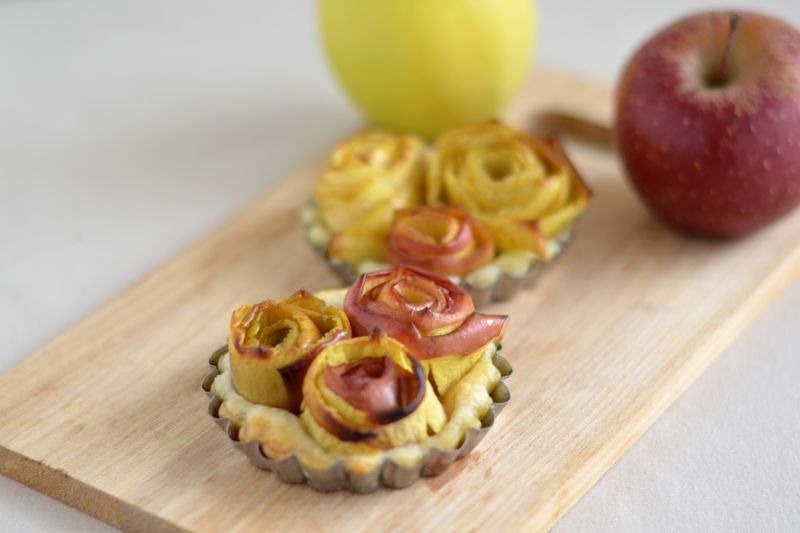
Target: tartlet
<point x="409" y="383"/>
<point x="494" y="204"/>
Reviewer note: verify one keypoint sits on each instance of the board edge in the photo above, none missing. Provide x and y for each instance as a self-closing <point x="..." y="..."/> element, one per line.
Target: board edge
<point x="97" y="503"/>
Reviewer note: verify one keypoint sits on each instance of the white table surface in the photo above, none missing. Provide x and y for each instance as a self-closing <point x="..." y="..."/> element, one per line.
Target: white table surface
<point x="128" y="129"/>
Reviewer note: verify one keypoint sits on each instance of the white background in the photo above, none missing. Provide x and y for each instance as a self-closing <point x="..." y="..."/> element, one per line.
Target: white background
<point x="128" y="129"/>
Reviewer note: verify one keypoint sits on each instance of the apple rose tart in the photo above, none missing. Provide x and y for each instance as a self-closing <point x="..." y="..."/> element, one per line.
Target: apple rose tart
<point x="485" y="209"/>
<point x="433" y="317"/>
<point x="272" y="343"/>
<point x="524" y="190"/>
<point x="317" y="399"/>
<point x="367" y="178"/>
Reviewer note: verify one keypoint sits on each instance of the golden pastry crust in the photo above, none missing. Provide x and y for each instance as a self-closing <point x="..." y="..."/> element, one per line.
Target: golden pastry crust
<point x="282" y="433"/>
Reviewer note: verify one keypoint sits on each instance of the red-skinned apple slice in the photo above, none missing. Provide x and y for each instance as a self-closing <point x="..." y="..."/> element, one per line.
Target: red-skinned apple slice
<point x="368" y="393"/>
<point x="445" y="240"/>
<point x="430" y="315"/>
<point x="378" y="386"/>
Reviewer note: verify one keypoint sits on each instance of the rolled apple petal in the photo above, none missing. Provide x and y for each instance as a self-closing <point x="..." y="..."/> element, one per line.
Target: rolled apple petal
<point x="448" y="370"/>
<point x="364" y="240"/>
<point x="517" y="235"/>
<point x="444" y="240"/>
<point x="524" y="190"/>
<point x="433" y="317"/>
<point x="577" y="197"/>
<point x="368" y="177"/>
<point x="368" y="394"/>
<point x="272" y="343"/>
<point x="409" y="296"/>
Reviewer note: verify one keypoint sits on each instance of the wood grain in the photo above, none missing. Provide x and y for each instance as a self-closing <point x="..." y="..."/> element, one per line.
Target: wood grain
<point x="109" y="417"/>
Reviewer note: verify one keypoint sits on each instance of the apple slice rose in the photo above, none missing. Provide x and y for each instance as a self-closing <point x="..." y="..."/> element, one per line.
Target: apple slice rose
<point x="433" y="317"/>
<point x="368" y="394"/>
<point x="443" y="239"/>
<point x="272" y="343"/>
<point x="524" y="190"/>
<point x="368" y="177"/>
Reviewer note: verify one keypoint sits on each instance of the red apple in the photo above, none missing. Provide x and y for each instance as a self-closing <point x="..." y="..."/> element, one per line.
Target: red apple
<point x="708" y="122"/>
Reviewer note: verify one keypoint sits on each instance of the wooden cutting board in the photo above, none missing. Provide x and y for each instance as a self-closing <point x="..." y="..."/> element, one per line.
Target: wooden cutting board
<point x="109" y="417"/>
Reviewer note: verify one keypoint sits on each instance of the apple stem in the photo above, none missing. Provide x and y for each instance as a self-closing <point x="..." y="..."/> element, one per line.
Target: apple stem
<point x="722" y="75"/>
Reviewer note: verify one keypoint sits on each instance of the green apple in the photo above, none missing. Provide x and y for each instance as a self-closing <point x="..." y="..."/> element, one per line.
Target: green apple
<point x="426" y="65"/>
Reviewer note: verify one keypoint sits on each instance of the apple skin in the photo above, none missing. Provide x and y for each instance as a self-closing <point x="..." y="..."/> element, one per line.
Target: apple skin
<point x="426" y="65"/>
<point x="716" y="161"/>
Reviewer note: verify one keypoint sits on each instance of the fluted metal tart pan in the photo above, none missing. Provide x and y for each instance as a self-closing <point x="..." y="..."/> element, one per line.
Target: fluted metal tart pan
<point x="390" y="474"/>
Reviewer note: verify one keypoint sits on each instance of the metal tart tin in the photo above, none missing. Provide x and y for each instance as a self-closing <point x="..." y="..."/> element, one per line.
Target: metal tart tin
<point x="389" y="474"/>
